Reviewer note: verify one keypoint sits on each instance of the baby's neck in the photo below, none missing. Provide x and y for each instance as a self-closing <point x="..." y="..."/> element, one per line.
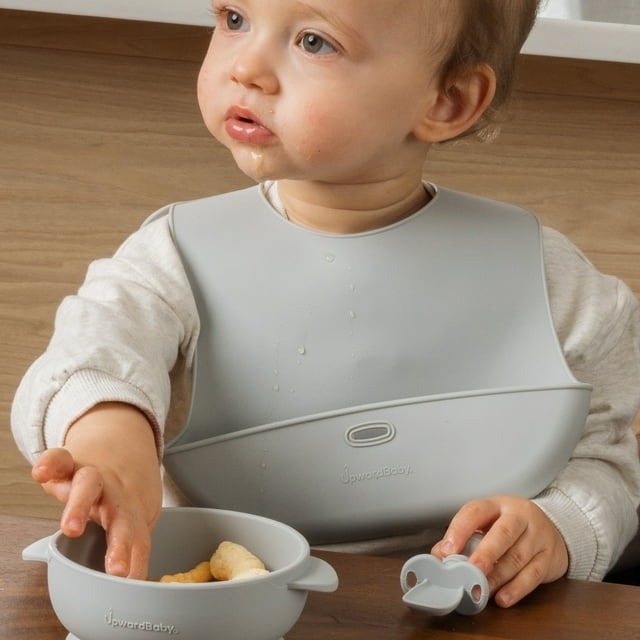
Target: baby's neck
<point x="348" y="209"/>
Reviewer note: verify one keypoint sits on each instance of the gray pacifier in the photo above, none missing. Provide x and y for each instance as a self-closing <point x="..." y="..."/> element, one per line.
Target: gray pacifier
<point x="443" y="586"/>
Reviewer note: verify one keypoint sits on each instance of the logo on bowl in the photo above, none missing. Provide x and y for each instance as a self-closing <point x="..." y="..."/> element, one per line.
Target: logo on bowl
<point x="136" y="625"/>
<point x="389" y="471"/>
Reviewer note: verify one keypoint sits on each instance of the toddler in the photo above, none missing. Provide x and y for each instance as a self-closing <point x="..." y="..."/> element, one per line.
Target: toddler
<point x="331" y="106"/>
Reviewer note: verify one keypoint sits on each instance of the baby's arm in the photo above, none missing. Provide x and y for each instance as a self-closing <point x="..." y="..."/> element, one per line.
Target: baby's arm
<point x="593" y="501"/>
<point x="588" y="513"/>
<point x="108" y="472"/>
<point x="90" y="412"/>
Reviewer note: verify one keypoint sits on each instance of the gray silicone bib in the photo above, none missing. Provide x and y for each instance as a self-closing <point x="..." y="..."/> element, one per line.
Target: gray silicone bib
<point x="359" y="385"/>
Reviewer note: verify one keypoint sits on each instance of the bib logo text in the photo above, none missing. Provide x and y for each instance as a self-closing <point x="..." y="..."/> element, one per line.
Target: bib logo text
<point x="390" y="471"/>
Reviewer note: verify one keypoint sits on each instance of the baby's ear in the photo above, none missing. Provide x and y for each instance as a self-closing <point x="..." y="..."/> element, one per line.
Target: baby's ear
<point x="457" y="105"/>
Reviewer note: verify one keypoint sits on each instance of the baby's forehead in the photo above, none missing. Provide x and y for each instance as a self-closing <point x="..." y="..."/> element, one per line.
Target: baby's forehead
<point x="435" y="17"/>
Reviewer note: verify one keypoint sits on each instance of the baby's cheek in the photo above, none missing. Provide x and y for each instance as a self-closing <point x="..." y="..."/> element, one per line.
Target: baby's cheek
<point x="319" y="136"/>
<point x="313" y="131"/>
<point x="206" y="94"/>
<point x="201" y="85"/>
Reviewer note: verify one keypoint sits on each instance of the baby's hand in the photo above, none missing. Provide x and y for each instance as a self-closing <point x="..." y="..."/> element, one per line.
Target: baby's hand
<point x="520" y="550"/>
<point x="108" y="472"/>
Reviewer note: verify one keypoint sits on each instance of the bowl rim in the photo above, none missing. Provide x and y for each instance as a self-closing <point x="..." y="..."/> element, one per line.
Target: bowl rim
<point x="56" y="554"/>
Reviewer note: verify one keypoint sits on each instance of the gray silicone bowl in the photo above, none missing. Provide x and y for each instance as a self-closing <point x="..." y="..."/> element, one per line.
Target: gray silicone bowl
<point x="95" y="606"/>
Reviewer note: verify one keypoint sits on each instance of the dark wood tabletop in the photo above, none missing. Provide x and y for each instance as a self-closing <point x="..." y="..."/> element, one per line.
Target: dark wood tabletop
<point x="366" y="606"/>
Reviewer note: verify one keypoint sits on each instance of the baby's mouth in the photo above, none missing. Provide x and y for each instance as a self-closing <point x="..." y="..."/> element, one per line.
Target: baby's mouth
<point x="243" y="126"/>
<point x="242" y="114"/>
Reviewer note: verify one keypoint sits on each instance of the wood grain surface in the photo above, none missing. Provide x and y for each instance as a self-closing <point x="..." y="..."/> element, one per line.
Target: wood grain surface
<point x="99" y="126"/>
<point x="366" y="606"/>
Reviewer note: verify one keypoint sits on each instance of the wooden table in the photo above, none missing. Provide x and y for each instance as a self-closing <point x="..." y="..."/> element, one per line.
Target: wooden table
<point x="367" y="605"/>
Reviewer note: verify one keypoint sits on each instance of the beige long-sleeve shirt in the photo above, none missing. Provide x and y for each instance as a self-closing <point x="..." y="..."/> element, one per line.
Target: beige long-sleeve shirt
<point x="130" y="333"/>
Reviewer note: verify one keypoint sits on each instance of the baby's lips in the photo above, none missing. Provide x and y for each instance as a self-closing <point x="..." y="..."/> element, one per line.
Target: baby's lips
<point x="243" y="114"/>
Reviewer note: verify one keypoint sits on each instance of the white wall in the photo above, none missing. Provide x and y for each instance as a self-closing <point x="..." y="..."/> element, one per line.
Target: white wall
<point x="175" y="11"/>
<point x="593" y="29"/>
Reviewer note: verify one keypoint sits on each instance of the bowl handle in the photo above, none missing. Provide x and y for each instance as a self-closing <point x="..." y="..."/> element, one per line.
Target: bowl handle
<point x="38" y="551"/>
<point x="319" y="576"/>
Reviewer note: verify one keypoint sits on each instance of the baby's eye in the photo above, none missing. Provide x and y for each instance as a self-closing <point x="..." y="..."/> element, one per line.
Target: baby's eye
<point x="235" y="22"/>
<point x="313" y="43"/>
<point x="230" y="19"/>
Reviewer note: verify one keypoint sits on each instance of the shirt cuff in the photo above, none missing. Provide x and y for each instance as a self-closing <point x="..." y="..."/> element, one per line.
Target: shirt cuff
<point x="576" y="529"/>
<point x="84" y="390"/>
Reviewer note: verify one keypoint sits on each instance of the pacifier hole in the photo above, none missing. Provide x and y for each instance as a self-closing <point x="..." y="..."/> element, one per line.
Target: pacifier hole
<point x="476" y="592"/>
<point x="411" y="580"/>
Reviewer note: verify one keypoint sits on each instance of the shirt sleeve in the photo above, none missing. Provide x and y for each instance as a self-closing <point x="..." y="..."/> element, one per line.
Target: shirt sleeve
<point x="120" y="336"/>
<point x="117" y="339"/>
<point x="593" y="501"/>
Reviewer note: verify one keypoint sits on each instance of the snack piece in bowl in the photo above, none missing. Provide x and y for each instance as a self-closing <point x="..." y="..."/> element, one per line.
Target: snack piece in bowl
<point x="230" y="561"/>
<point x="200" y="573"/>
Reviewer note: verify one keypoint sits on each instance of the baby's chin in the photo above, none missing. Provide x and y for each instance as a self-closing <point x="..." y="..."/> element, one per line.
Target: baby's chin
<point x="252" y="163"/>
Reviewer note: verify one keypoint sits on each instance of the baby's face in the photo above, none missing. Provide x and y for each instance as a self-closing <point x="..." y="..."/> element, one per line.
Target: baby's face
<point x="321" y="90"/>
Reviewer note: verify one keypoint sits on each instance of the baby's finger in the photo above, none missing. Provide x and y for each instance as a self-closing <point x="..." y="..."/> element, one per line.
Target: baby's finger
<point x="118" y="558"/>
<point x="128" y="548"/>
<point x="471" y="518"/>
<point x="53" y="465"/>
<point x="522" y="584"/>
<point x="84" y="495"/>
<point x="140" y="552"/>
<point x="511" y="563"/>
<point x="54" y="471"/>
<point x="499" y="548"/>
